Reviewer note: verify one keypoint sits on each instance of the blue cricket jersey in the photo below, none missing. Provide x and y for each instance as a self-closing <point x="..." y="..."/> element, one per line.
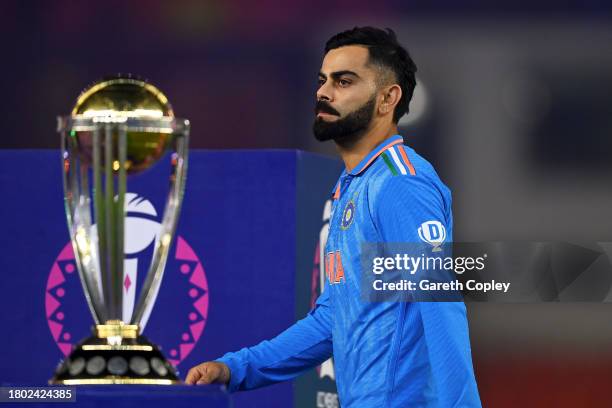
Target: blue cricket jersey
<point x="386" y="354"/>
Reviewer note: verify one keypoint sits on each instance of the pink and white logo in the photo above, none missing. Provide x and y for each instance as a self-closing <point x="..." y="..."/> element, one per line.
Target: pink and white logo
<point x="179" y="316"/>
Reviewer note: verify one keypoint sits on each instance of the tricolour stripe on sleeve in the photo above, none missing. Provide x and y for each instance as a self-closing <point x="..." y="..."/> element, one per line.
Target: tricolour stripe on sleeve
<point x="397" y="161"/>
<point x="389" y="164"/>
<point x="406" y="160"/>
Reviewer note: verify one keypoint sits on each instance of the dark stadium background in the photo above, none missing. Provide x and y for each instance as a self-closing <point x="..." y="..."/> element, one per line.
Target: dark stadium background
<point x="514" y="108"/>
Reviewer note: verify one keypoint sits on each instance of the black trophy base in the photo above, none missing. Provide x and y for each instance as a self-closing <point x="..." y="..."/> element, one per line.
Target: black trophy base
<point x="135" y="361"/>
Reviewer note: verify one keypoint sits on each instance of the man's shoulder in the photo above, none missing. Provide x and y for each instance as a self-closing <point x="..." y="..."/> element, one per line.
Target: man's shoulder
<point x="401" y="167"/>
<point x="400" y="201"/>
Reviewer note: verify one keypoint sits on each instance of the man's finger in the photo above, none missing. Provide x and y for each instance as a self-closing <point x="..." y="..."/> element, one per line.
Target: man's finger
<point x="193" y="376"/>
<point x="207" y="375"/>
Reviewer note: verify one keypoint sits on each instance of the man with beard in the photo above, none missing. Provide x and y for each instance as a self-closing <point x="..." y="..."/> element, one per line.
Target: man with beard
<point x="386" y="354"/>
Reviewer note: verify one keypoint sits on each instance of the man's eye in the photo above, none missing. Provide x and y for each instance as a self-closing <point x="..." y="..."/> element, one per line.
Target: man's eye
<point x="320" y="81"/>
<point x="344" y="82"/>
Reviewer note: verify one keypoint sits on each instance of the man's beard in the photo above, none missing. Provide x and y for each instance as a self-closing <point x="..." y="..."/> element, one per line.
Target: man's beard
<point x="347" y="130"/>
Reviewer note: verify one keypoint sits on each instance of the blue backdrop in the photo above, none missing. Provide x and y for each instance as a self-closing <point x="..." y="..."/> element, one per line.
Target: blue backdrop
<point x="240" y="271"/>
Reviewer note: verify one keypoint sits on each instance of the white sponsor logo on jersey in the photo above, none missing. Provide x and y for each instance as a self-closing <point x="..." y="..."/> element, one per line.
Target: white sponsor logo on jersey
<point x="433" y="233"/>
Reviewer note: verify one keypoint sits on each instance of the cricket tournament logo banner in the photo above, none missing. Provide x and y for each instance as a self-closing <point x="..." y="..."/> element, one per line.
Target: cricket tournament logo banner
<point x="184" y="291"/>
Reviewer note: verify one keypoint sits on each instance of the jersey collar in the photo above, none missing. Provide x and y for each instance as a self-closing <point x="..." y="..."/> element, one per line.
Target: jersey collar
<point x="378" y="150"/>
<point x="366" y="161"/>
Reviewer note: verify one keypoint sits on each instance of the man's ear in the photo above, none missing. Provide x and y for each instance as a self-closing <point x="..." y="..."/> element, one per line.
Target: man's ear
<point x="391" y="96"/>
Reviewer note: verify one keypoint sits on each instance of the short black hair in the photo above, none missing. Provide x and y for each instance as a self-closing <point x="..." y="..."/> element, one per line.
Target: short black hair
<point x="385" y="51"/>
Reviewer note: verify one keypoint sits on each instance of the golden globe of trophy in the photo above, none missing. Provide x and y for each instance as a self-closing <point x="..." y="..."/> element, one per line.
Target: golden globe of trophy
<point x="119" y="126"/>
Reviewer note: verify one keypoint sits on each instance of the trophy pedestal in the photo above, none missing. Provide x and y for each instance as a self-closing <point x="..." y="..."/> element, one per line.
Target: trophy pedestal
<point x="109" y="358"/>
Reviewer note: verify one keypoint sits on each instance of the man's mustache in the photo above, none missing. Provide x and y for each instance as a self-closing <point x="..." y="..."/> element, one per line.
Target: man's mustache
<point x="323" y="107"/>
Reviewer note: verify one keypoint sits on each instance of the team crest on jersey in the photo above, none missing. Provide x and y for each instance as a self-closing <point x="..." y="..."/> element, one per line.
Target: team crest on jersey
<point x="433" y="233"/>
<point x="348" y="215"/>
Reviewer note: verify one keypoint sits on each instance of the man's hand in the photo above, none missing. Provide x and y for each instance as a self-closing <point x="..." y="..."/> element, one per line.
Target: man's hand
<point x="210" y="372"/>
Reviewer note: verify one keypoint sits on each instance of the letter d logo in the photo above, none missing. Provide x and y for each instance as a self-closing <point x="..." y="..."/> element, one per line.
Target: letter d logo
<point x="433" y="233"/>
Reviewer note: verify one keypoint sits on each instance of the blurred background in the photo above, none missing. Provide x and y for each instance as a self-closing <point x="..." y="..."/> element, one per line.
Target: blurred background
<point x="513" y="107"/>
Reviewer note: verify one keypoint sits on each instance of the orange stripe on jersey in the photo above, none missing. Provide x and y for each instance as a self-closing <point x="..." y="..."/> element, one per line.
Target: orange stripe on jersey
<point x="337" y="192"/>
<point x="406" y="161"/>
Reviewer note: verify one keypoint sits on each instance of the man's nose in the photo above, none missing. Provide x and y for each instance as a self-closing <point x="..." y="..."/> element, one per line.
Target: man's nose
<point x="324" y="93"/>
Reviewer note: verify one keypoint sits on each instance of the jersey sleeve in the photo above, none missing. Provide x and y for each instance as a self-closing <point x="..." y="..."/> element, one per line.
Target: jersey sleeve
<point x="404" y="203"/>
<point x="302" y="346"/>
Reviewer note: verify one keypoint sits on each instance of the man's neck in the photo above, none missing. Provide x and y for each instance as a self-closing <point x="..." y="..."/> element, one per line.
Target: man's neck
<point x="355" y="153"/>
